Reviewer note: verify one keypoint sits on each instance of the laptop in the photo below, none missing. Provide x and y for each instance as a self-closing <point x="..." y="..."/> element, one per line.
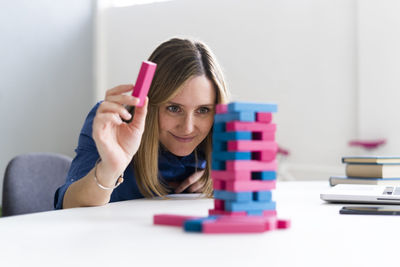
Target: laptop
<point x="350" y="193"/>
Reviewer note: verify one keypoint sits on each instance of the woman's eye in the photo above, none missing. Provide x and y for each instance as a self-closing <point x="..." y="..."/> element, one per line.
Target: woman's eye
<point x="173" y="109"/>
<point x="203" y="110"/>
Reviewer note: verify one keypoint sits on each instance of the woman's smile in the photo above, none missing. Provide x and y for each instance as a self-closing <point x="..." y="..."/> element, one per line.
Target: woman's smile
<point x="182" y="138"/>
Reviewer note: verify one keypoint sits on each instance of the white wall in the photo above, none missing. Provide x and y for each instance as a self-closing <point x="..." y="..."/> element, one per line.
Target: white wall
<point x="379" y="72"/>
<point x="299" y="54"/>
<point x="46" y="83"/>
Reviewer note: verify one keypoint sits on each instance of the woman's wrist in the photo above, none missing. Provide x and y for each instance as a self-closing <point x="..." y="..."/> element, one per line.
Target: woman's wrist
<point x="105" y="178"/>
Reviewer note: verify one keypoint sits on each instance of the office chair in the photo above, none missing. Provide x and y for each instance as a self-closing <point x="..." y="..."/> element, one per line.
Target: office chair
<point x="30" y="181"/>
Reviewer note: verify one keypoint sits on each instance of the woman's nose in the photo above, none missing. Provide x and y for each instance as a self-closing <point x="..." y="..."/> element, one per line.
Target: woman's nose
<point x="187" y="124"/>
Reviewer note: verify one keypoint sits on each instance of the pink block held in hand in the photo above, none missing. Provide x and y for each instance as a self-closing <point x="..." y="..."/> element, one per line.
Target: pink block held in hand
<point x="143" y="81"/>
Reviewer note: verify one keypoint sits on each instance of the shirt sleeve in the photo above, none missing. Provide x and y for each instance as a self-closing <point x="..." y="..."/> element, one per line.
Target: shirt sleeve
<point x="85" y="158"/>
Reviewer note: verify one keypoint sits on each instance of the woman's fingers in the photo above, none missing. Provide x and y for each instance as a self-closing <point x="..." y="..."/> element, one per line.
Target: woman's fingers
<point x="120" y="89"/>
<point x="191" y="180"/>
<point x="123" y="99"/>
<point x="111" y="107"/>
<point x="139" y="117"/>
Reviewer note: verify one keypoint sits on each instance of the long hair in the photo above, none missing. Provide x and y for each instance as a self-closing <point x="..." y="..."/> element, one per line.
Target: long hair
<point x="177" y="61"/>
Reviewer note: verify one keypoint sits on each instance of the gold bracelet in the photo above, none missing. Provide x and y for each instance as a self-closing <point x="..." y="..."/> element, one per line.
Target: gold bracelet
<point x="119" y="181"/>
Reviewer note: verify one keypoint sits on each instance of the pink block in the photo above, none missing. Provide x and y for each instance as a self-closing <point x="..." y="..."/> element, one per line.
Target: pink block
<point x="239" y="224"/>
<point x="252" y="145"/>
<point x="250" y="126"/>
<point x="268" y="213"/>
<point x="226" y="213"/>
<point x="264" y="136"/>
<point x="253" y="165"/>
<point x="143" y="81"/>
<point x="240" y="186"/>
<point x="267" y="155"/>
<point x="221" y="108"/>
<point x="170" y="219"/>
<point x="283" y="224"/>
<point x="265" y="117"/>
<point x="231" y="175"/>
<point x="219" y="204"/>
<point x="219" y="185"/>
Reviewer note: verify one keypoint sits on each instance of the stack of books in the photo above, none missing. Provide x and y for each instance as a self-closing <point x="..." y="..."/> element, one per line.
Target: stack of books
<point x="375" y="170"/>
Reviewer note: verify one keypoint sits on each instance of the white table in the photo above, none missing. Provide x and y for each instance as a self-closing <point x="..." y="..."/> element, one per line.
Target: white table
<point x="122" y="234"/>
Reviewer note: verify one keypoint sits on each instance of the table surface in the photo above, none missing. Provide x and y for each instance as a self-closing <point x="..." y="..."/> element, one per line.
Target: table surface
<point x="122" y="233"/>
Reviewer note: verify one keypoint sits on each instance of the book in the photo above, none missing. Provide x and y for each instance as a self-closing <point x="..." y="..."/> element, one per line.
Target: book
<point x="371" y="160"/>
<point x="334" y="180"/>
<point x="373" y="170"/>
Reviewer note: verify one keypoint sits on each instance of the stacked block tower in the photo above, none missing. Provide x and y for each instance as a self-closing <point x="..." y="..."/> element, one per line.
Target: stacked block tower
<point x="243" y="172"/>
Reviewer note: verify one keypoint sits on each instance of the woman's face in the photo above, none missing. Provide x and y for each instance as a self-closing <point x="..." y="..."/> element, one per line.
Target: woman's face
<point x="186" y="119"/>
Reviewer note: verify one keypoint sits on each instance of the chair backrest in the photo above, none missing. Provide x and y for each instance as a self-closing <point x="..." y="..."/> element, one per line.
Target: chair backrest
<point x="30" y="181"/>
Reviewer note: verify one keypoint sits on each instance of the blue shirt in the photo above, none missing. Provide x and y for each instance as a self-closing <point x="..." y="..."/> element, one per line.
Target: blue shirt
<point x="171" y="167"/>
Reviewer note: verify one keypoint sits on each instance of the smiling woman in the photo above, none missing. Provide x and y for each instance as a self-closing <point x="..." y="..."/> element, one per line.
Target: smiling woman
<point x="167" y="146"/>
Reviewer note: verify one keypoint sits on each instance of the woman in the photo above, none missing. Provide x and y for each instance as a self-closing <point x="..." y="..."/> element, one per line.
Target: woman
<point x="167" y="146"/>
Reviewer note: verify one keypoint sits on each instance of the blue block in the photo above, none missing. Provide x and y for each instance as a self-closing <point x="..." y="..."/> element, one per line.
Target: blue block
<point x="264" y="176"/>
<point x="249" y="206"/>
<point x="218" y="165"/>
<point x="231" y="136"/>
<point x="249" y="106"/>
<point x="255" y="212"/>
<point x="219" y="127"/>
<point x="264" y="196"/>
<point x="220" y="146"/>
<point x="196" y="225"/>
<point x="248" y="116"/>
<point x="233" y="196"/>
<point x="217" y="155"/>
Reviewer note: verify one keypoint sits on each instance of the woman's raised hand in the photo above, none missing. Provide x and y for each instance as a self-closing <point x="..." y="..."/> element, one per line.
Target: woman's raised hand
<point x="117" y="141"/>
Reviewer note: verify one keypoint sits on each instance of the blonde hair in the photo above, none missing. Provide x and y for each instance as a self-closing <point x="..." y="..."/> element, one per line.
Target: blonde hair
<point x="177" y="61"/>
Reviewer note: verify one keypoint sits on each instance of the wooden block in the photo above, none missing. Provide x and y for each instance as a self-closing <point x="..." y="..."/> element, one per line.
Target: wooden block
<point x="243" y="175"/>
<point x="233" y="196"/>
<point x="219" y="185"/>
<point x="253" y="165"/>
<point x="218" y="165"/>
<point x="283" y="224"/>
<point x="143" y="81"/>
<point x="252" y="145"/>
<point x="235" y="116"/>
<point x="226" y="213"/>
<point x="219" y="204"/>
<point x="262" y="196"/>
<point x="266" y="155"/>
<point x="231" y="136"/>
<point x="219" y="127"/>
<point x="250" y="106"/>
<point x="240" y="186"/>
<point x="219" y="146"/>
<point x="249" y="126"/>
<point x="264" y="135"/>
<point x="264" y="176"/>
<point x="223" y="156"/>
<point x="196" y="225"/>
<point x="238" y="224"/>
<point x="172" y="220"/>
<point x="249" y="206"/>
<point x="265" y="117"/>
<point x="221" y="108"/>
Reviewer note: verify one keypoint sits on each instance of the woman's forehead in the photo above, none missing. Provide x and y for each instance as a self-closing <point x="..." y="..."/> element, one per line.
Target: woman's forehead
<point x="195" y="91"/>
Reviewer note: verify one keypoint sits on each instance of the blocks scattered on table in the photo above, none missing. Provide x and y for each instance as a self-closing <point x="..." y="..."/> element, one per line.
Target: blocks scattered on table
<point x="243" y="173"/>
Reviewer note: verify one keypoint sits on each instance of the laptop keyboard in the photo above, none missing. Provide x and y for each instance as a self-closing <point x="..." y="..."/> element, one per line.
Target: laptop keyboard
<point x="392" y="190"/>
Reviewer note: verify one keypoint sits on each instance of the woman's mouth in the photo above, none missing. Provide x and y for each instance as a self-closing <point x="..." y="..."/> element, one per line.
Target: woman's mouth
<point x="183" y="139"/>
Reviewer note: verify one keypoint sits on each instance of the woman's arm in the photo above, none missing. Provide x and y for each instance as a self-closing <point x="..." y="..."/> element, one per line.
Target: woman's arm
<point x="116" y="143"/>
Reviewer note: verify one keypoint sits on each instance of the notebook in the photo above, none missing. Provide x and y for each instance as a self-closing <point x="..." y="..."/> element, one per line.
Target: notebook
<point x="350" y="193"/>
